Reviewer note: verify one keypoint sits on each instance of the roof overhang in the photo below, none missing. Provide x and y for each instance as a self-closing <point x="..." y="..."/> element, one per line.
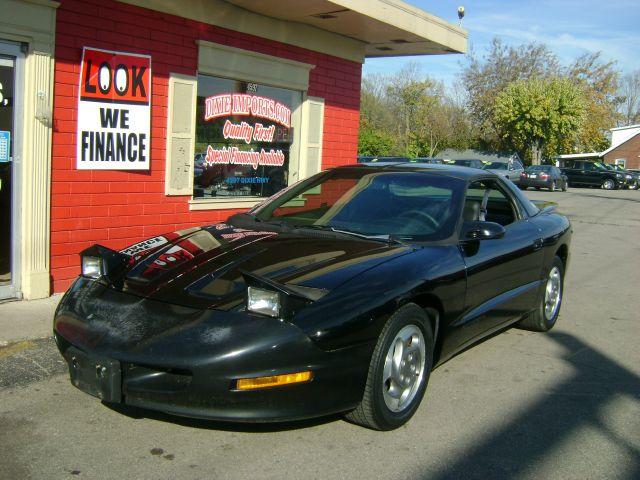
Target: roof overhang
<point x="571" y="156"/>
<point x="349" y="29"/>
<point x="388" y="28"/>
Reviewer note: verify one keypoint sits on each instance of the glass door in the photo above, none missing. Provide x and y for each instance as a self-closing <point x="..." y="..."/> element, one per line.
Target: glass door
<point x="10" y="115"/>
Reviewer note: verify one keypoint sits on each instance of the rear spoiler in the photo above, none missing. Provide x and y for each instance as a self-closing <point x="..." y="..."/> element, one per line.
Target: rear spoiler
<point x="545" y="206"/>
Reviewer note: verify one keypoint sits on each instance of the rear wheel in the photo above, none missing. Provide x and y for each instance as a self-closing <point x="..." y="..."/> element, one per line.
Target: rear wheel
<point x="553" y="186"/>
<point x="545" y="316"/>
<point x="564" y="186"/>
<point x="398" y="372"/>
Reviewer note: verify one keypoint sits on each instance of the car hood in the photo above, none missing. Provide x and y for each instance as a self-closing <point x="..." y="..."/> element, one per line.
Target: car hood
<point x="203" y="267"/>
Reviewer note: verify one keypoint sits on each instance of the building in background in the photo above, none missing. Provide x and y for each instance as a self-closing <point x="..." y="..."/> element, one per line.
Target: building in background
<point x="624" y="149"/>
<point x="121" y="121"/>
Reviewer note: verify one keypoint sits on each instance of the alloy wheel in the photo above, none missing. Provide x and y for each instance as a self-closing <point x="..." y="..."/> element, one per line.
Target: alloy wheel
<point x="553" y="293"/>
<point x="403" y="370"/>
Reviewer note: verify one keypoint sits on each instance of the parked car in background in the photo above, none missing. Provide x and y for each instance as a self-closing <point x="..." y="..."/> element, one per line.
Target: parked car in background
<point x="510" y="170"/>
<point x="374" y="159"/>
<point x="632" y="179"/>
<point x="429" y="160"/>
<point x="584" y="173"/>
<point x="543" y="176"/>
<point x="465" y="162"/>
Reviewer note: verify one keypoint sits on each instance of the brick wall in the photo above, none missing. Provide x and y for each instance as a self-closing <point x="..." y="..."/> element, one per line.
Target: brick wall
<point x="117" y="208"/>
<point x="629" y="150"/>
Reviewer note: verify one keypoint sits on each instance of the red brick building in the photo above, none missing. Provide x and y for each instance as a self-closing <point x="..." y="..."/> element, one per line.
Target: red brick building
<point x="131" y="119"/>
<point x="624" y="149"/>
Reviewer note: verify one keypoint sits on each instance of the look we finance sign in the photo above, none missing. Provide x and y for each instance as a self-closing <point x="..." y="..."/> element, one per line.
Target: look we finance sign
<point x="114" y="111"/>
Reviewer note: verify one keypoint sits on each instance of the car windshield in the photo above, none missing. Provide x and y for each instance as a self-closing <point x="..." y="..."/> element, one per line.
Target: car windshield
<point x="496" y="166"/>
<point x="420" y="206"/>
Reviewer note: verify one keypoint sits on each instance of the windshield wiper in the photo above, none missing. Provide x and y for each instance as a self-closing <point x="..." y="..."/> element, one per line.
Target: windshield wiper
<point x="378" y="238"/>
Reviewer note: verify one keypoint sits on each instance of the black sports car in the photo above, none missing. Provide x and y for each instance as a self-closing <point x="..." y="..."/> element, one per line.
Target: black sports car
<point x="338" y="294"/>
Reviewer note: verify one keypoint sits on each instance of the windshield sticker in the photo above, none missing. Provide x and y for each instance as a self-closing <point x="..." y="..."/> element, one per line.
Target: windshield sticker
<point x="144" y="246"/>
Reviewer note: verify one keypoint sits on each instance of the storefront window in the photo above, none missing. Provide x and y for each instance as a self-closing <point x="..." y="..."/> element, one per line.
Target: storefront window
<point x="244" y="133"/>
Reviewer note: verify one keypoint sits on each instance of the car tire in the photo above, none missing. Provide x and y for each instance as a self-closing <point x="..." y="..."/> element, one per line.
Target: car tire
<point x="546" y="314"/>
<point x="553" y="186"/>
<point x="376" y="410"/>
<point x="608" y="184"/>
<point x="564" y="187"/>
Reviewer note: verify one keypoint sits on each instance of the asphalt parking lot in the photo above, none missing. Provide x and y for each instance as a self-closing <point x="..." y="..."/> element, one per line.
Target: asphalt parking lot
<point x="521" y="405"/>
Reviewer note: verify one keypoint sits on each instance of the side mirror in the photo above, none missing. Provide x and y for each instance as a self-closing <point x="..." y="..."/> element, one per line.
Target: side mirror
<point x="477" y="230"/>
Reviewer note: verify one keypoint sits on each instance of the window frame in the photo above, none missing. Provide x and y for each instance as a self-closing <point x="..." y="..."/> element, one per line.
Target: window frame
<point x="244" y="65"/>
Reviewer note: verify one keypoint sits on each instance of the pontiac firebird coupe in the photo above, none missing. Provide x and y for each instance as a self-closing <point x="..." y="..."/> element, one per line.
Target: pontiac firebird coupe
<point x="339" y="294"/>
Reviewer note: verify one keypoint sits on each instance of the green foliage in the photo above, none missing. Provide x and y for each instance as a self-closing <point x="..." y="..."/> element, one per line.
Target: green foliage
<point x="411" y="114"/>
<point x="541" y="115"/>
<point x="374" y="142"/>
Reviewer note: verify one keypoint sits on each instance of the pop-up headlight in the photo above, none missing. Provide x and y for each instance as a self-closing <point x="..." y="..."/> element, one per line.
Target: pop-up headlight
<point x="92" y="266"/>
<point x="265" y="302"/>
<point x="278" y="300"/>
<point x="103" y="263"/>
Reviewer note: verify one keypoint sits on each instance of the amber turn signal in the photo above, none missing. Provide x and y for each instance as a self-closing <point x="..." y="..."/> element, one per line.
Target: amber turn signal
<point x="273" y="381"/>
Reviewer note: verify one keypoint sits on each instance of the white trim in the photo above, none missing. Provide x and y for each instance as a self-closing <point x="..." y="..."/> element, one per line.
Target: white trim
<point x="220" y="204"/>
<point x="569" y="156"/>
<point x="246" y="65"/>
<point x="613" y="147"/>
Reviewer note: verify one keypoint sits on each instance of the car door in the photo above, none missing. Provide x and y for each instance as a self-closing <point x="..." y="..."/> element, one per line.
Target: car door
<point x="591" y="174"/>
<point x="503" y="274"/>
<point x="516" y="170"/>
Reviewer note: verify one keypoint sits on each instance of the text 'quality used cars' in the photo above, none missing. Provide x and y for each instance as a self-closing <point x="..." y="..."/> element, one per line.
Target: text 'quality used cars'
<point x="340" y="293"/>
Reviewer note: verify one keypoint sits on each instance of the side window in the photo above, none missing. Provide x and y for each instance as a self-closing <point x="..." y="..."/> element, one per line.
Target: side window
<point x="517" y="165"/>
<point x="486" y="200"/>
<point x="588" y="166"/>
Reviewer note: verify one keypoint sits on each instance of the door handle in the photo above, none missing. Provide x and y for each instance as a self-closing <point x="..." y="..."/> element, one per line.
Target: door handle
<point x="538" y="243"/>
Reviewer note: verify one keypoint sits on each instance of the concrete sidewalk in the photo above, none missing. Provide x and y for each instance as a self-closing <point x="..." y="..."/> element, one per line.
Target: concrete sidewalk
<point x="23" y="320"/>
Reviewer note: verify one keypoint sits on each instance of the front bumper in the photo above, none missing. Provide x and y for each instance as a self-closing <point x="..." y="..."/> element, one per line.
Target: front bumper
<point x="186" y="361"/>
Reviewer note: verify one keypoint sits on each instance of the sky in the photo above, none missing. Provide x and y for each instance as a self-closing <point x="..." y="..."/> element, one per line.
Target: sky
<point x="568" y="27"/>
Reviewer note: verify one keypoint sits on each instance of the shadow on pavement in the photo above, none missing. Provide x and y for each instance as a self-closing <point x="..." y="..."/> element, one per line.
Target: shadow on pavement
<point x="532" y="437"/>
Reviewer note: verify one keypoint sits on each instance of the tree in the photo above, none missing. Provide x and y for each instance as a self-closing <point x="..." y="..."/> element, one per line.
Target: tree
<point x="599" y="82"/>
<point x="409" y="114"/>
<point x="374" y="142"/>
<point x="484" y="78"/>
<point x="539" y="114"/>
<point x="629" y="99"/>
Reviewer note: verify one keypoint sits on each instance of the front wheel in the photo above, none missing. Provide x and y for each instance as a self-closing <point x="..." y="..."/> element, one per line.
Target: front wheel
<point x="398" y="373"/>
<point x="544" y="317"/>
<point x="608" y="184"/>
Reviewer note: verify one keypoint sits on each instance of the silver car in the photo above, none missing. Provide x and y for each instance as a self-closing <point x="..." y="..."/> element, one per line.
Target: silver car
<point x="511" y="169"/>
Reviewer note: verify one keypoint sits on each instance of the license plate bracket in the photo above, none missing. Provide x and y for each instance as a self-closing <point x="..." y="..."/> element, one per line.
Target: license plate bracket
<point x="95" y="375"/>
